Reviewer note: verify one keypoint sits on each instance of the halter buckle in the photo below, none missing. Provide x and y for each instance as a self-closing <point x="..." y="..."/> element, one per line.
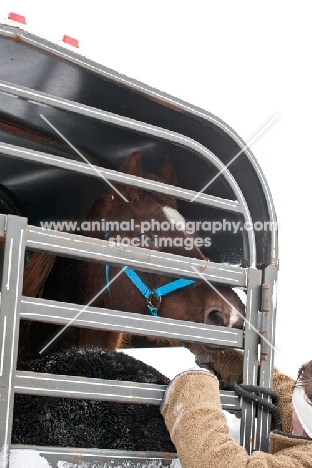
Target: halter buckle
<point x="150" y="301"/>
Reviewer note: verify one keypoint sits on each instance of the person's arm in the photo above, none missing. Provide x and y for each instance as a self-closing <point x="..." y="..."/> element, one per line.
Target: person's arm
<point x="197" y="426"/>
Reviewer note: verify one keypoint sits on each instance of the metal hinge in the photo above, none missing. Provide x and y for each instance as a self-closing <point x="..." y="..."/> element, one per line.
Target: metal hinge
<point x="264" y="332"/>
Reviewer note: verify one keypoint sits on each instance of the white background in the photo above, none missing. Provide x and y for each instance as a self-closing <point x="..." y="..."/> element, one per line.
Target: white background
<point x="243" y="61"/>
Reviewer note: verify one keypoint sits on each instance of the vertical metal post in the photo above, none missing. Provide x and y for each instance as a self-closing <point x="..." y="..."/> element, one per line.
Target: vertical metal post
<point x="268" y="308"/>
<point x="11" y="290"/>
<point x="250" y="371"/>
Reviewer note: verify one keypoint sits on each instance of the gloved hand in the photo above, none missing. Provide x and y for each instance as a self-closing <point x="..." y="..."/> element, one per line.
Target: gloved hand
<point x="193" y="415"/>
<point x="228" y="366"/>
<point x="193" y="368"/>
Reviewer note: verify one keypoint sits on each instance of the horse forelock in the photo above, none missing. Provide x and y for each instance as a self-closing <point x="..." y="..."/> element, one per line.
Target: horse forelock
<point x="113" y="206"/>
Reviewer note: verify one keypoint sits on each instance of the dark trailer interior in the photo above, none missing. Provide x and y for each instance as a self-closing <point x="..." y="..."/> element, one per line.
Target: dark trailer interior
<point x="104" y="117"/>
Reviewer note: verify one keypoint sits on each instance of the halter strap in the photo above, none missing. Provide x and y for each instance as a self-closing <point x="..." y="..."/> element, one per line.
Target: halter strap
<point x="106" y="236"/>
<point x="146" y="292"/>
<point x="157" y="293"/>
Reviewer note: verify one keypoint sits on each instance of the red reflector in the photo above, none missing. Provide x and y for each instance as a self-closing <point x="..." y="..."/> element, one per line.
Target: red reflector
<point x="16" y="17"/>
<point x="71" y="41"/>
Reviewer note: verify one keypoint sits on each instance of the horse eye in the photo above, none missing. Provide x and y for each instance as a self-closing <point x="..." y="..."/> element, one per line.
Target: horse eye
<point x="215" y="318"/>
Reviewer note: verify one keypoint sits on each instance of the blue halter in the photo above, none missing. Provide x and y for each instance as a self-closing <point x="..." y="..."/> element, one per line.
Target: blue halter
<point x="151" y="294"/>
<point x="158" y="293"/>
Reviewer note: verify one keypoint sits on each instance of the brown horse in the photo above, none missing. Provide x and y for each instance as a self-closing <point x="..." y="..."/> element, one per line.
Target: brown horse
<point x="155" y="224"/>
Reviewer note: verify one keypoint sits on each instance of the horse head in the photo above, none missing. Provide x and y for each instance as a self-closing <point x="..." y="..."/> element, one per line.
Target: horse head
<point x="152" y="221"/>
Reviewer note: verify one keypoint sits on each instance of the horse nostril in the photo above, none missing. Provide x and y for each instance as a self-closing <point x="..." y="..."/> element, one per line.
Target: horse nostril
<point x="214" y="317"/>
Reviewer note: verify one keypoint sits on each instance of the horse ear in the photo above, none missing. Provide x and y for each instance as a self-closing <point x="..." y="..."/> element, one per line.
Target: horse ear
<point x="132" y="165"/>
<point x="168" y="171"/>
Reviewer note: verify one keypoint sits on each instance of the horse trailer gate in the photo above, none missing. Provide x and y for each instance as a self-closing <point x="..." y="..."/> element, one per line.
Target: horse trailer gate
<point x="107" y="116"/>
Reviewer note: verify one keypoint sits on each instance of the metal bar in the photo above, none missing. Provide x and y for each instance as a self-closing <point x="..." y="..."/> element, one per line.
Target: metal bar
<point x="127" y="322"/>
<point x="265" y="315"/>
<point x="97" y="458"/>
<point x="266" y="365"/>
<point x="118" y="177"/>
<point x="250" y="369"/>
<point x="9" y="31"/>
<point x="64" y="386"/>
<point x="70" y="245"/>
<point x="3" y="221"/>
<point x="9" y="325"/>
<point x="145" y="129"/>
<point x="230" y="401"/>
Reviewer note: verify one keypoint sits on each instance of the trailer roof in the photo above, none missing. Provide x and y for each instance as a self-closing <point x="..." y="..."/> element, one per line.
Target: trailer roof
<point x="29" y="64"/>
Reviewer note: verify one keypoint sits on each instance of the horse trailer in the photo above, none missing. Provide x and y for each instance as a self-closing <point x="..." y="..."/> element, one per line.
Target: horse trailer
<point x="66" y="124"/>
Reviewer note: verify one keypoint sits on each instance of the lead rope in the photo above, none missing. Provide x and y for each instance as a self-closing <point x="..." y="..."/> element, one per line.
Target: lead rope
<point x="250" y="393"/>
